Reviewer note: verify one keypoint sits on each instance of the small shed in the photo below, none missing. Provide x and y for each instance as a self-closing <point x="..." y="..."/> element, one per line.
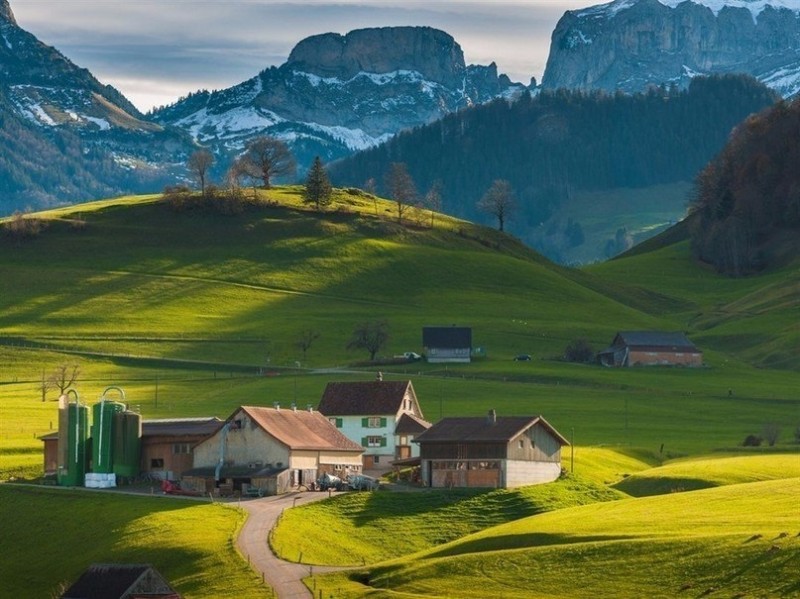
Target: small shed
<point x="495" y="452"/>
<point x="650" y="348"/>
<point x="120" y="581"/>
<point x="447" y="344"/>
<point x="50" y="441"/>
<point x="168" y="444"/>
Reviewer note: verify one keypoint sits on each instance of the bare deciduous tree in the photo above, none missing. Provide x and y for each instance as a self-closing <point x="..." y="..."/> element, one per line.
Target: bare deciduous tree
<point x="270" y="157"/>
<point x="401" y="187"/>
<point x="433" y="199"/>
<point x="199" y="164"/>
<point x="63" y="377"/>
<point x="370" y="335"/>
<point x="499" y="201"/>
<point x="306" y="340"/>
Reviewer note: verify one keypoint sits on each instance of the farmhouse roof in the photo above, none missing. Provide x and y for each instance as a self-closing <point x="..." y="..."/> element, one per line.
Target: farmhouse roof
<point x="300" y="429"/>
<point x="117" y="581"/>
<point x="364" y="397"/>
<point x="408" y="424"/>
<point x="451" y="337"/>
<point x="484" y="430"/>
<point x="650" y="340"/>
<point x="179" y="427"/>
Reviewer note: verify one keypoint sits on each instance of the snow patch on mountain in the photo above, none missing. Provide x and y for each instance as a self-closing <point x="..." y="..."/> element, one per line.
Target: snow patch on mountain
<point x="203" y="125"/>
<point x="756" y="7"/>
<point x="354" y="139"/>
<point x="785" y="80"/>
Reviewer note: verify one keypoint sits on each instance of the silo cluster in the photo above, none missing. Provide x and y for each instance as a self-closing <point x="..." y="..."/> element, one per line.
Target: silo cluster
<point x="95" y="456"/>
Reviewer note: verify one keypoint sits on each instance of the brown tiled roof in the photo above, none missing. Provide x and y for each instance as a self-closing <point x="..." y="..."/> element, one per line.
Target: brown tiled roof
<point x="112" y="581"/>
<point x="480" y="430"/>
<point x="364" y="398"/>
<point x="655" y="340"/>
<point x="411" y="425"/>
<point x="301" y="429"/>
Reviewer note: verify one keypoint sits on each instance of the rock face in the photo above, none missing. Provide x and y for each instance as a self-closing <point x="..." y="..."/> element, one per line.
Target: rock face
<point x="340" y="93"/>
<point x="629" y="45"/>
<point x="66" y="136"/>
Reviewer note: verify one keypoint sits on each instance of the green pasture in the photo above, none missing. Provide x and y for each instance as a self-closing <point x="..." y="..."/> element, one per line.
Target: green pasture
<point x="358" y="528"/>
<point x="699" y="473"/>
<point x="739" y="540"/>
<point x="51" y="535"/>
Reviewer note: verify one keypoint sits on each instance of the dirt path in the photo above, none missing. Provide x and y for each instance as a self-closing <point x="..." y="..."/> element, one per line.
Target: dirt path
<point x="284" y="577"/>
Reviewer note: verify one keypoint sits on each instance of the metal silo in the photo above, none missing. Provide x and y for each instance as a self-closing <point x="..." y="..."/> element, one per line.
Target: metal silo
<point x="103" y="433"/>
<point x="72" y="471"/>
<point x="127" y="443"/>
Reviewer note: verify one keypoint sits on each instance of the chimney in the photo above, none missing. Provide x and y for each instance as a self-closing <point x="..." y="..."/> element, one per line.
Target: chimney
<point x="294" y="407"/>
<point x="276" y="405"/>
<point x="379" y="376"/>
<point x="491" y="418"/>
<point x="309" y="407"/>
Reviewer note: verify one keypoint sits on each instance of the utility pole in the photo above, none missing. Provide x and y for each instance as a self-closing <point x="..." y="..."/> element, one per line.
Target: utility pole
<point x="572" y="451"/>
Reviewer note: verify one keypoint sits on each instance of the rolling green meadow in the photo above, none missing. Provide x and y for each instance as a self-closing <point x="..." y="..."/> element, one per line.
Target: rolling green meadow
<point x="194" y="313"/>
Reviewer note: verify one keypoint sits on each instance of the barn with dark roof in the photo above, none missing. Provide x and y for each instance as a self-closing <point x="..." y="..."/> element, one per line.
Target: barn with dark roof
<point x="491" y="451"/>
<point x="120" y="581"/>
<point x="650" y="348"/>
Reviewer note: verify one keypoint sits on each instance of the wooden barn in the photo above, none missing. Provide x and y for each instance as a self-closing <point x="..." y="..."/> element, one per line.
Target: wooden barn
<point x="496" y="452"/>
<point x="120" y="581"/>
<point x="650" y="348"/>
<point x="447" y="344"/>
<point x="383" y="417"/>
<point x="274" y="450"/>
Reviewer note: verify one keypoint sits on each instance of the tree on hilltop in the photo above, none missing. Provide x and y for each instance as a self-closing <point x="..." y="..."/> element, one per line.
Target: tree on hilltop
<point x="198" y="164"/>
<point x="269" y="157"/>
<point x="318" y="188"/>
<point x="371" y="335"/>
<point x="499" y="201"/>
<point x="401" y="187"/>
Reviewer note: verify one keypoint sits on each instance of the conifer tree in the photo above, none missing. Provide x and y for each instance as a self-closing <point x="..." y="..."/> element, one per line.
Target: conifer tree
<point x="318" y="188"/>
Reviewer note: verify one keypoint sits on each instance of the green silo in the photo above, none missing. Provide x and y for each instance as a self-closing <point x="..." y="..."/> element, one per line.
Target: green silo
<point x="103" y="435"/>
<point x="127" y="443"/>
<point x="71" y="473"/>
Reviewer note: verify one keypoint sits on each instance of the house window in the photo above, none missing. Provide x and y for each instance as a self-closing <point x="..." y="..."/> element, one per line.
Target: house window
<point x="376" y="459"/>
<point x="337" y="422"/>
<point x="181" y="448"/>
<point x="374" y="422"/>
<point x="236" y="425"/>
<point x="522" y="443"/>
<point x="375" y="441"/>
<point x="157" y="463"/>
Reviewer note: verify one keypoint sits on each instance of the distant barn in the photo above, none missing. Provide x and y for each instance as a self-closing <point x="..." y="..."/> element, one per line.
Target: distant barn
<point x="121" y="581"/>
<point x="447" y="344"/>
<point x="650" y="348"/>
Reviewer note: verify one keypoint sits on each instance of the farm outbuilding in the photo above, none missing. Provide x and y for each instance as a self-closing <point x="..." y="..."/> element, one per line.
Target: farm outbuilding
<point x="270" y="443"/>
<point x="650" y="348"/>
<point x="447" y="344"/>
<point x="383" y="417"/>
<point x="495" y="452"/>
<point x="120" y="581"/>
<point x="168" y="444"/>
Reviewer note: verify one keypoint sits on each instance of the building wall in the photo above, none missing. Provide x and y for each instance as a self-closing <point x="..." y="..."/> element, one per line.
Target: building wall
<point x="242" y="447"/>
<point x="520" y="473"/>
<point x="50" y="456"/>
<point x="436" y="355"/>
<point x="535" y="445"/>
<point x="664" y="358"/>
<point x="445" y="474"/>
<point x="175" y="453"/>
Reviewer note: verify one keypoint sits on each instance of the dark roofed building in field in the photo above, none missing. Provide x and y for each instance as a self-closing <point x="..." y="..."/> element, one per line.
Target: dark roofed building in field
<point x="120" y="581"/>
<point x="490" y="451"/>
<point x="447" y="344"/>
<point x="650" y="348"/>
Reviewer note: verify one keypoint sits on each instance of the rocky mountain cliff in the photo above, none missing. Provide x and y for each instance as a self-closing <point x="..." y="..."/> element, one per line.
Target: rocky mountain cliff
<point x="65" y="136"/>
<point x="340" y="93"/>
<point x="632" y="44"/>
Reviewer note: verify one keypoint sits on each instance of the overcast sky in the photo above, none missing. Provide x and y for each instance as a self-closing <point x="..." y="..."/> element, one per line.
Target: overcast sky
<point x="155" y="51"/>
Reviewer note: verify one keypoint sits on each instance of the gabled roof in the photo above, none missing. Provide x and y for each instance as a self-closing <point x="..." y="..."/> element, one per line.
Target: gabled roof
<point x="408" y="424"/>
<point x="300" y="429"/>
<point x="451" y="337"/>
<point x="364" y="398"/>
<point x="482" y="430"/>
<point x="655" y="339"/>
<point x="114" y="581"/>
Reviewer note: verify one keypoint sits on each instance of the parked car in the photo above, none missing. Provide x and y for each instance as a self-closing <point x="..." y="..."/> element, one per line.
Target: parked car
<point x="411" y="356"/>
<point x="522" y="358"/>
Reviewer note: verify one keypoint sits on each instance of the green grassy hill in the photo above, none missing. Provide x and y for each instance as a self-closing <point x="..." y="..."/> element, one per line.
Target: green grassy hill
<point x="735" y="541"/>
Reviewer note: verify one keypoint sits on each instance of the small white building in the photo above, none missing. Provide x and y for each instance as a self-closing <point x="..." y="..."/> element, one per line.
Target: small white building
<point x="293" y="446"/>
<point x="383" y="417"/>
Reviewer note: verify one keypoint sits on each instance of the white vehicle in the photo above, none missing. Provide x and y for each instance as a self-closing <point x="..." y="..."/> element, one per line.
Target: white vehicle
<point x="411" y="356"/>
